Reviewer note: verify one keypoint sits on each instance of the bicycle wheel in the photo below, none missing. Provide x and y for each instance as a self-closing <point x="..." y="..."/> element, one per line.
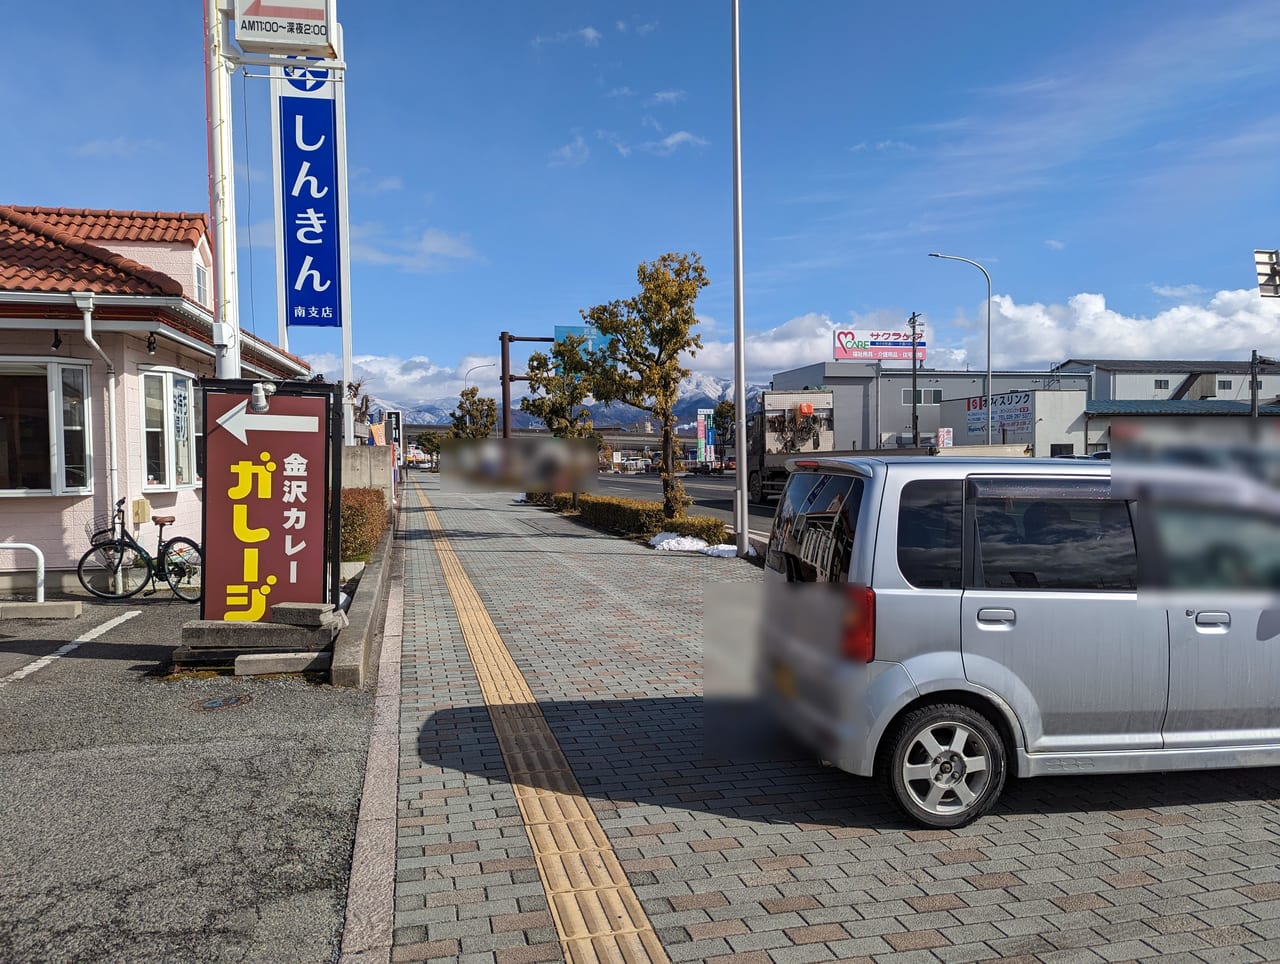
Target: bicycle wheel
<point x="113" y="570"/>
<point x="183" y="565"/>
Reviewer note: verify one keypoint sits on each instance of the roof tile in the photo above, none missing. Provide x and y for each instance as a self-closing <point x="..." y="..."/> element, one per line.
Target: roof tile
<point x="41" y="256"/>
<point x="106" y="225"/>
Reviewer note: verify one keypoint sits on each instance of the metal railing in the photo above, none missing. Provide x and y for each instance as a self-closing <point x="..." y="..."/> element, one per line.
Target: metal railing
<point x="39" y="564"/>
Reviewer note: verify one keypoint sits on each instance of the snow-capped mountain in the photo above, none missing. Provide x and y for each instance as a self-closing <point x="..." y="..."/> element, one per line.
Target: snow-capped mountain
<point x="697" y="391"/>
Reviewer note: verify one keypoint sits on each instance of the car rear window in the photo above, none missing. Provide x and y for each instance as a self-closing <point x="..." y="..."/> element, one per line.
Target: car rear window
<point x="814" y="529"/>
<point x="930" y="522"/>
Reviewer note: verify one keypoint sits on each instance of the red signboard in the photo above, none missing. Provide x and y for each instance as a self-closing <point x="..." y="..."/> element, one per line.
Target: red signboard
<point x="266" y="497"/>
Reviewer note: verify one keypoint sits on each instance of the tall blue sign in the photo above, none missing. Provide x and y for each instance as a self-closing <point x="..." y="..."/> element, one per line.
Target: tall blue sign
<point x="309" y="251"/>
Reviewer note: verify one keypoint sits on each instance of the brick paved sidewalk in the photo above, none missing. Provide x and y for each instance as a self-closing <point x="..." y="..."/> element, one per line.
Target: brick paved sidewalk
<point x="775" y="860"/>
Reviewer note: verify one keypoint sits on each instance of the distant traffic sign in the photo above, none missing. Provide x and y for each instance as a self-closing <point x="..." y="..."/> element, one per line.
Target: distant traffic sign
<point x="594" y="340"/>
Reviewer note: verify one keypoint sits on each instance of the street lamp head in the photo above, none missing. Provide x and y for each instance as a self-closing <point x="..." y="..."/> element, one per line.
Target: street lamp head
<point x="934" y="254"/>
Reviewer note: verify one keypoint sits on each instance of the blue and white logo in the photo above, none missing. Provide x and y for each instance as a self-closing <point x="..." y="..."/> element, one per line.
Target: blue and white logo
<point x="306" y="79"/>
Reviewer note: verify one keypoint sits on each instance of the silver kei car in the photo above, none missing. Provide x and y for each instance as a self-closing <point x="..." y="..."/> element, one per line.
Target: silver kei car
<point x="942" y="624"/>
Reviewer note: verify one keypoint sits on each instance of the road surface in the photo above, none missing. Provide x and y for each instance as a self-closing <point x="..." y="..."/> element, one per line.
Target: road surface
<point x="712" y="494"/>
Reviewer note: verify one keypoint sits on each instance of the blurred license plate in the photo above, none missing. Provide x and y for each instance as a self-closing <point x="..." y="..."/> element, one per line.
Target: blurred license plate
<point x="784" y="680"/>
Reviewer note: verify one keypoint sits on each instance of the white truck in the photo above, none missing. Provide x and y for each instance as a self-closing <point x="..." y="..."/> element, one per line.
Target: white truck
<point x="788" y="425"/>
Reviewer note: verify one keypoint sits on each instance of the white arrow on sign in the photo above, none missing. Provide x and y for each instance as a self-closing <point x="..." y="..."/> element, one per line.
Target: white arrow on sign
<point x="240" y="422"/>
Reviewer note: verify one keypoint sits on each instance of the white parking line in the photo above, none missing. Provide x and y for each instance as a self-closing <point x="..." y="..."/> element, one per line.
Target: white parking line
<point x="61" y="651"/>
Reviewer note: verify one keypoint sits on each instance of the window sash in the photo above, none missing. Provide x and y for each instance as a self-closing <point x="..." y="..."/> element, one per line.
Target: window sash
<point x="68" y="422"/>
<point x="170" y="432"/>
<point x="76" y="451"/>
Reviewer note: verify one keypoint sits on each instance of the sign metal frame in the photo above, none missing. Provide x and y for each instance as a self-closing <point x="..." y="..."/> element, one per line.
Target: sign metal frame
<point x="330" y="427"/>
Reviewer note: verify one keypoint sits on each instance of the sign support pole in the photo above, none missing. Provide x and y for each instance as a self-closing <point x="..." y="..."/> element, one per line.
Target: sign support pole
<point x="226" y="326"/>
<point x="344" y="249"/>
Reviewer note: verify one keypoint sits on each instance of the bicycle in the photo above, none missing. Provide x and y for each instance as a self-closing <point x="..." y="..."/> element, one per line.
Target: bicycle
<point x="116" y="566"/>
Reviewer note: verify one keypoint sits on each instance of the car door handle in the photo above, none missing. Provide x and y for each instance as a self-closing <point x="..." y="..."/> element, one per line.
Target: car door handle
<point x="997" y="616"/>
<point x="1213" y="619"/>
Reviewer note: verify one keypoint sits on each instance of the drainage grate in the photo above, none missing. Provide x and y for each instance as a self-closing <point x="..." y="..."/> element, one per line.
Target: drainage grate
<point x="222" y="702"/>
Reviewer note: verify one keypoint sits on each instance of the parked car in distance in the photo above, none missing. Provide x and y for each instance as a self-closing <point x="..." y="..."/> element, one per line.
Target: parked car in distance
<point x="944" y="624"/>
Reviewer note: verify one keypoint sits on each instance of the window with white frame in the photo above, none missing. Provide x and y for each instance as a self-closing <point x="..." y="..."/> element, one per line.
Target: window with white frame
<point x="170" y="428"/>
<point x="45" y="445"/>
<point x="924" y="396"/>
<point x="202" y="284"/>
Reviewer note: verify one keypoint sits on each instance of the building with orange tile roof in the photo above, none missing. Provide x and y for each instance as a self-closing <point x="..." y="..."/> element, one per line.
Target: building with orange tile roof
<point x="102" y="310"/>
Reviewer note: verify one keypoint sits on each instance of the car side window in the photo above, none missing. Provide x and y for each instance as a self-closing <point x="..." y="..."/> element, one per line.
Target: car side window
<point x="930" y="523"/>
<point x="1218" y="548"/>
<point x="813" y="536"/>
<point x="1056" y="543"/>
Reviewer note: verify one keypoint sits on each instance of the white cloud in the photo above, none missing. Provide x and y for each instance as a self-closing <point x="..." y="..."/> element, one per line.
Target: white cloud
<point x="573" y="154"/>
<point x="416" y="381"/>
<point x="646" y="28"/>
<point x="672" y="142"/>
<point x="892" y="145"/>
<point x="804" y="340"/>
<point x="1178" y="292"/>
<point x="364" y="181"/>
<point x="588" y="35"/>
<point x="120" y="146"/>
<point x="668" y="97"/>
<point x="1053" y="245"/>
<point x="621" y="92"/>
<point x="432" y="250"/>
<point x="1025" y="336"/>
<point x="1228" y="326"/>
<point x="614" y="141"/>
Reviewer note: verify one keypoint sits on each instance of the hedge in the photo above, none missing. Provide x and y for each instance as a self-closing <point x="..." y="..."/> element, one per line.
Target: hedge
<point x="629" y="516"/>
<point x="702" y="527"/>
<point x="364" y="520"/>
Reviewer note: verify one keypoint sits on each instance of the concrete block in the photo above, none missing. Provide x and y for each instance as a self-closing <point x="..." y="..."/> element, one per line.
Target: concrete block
<point x="207" y="634"/>
<point x="260" y="664"/>
<point x="349" y="570"/>
<point x="309" y="615"/>
<point x="61" y="609"/>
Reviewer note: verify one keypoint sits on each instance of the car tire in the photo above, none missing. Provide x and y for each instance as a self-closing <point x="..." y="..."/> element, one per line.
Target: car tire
<point x="945" y="766"/>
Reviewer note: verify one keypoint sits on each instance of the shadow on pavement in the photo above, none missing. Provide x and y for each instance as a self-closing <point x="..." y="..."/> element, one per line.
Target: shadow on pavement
<point x="732" y="761"/>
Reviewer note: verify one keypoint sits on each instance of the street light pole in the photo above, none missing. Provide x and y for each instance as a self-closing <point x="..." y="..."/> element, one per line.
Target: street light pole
<point x="952" y="257"/>
<point x="473" y="368"/>
<point x="915" y="393"/>
<point x="740" y="517"/>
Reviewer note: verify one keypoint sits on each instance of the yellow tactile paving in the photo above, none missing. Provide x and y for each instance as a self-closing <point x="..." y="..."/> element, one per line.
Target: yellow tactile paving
<point x="596" y="913"/>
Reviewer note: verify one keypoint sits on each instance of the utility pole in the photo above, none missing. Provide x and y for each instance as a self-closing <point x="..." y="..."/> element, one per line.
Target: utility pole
<point x="915" y="395"/>
<point x="505" y="339"/>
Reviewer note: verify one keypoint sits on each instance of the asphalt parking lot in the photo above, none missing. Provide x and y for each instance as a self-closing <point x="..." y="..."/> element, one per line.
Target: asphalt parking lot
<point x="182" y="819"/>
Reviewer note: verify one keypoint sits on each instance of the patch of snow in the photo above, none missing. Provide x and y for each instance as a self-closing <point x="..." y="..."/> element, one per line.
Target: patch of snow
<point x="669" y="540"/>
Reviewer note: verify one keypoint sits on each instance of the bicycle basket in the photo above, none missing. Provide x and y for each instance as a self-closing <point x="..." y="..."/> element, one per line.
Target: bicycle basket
<point x="100" y="529"/>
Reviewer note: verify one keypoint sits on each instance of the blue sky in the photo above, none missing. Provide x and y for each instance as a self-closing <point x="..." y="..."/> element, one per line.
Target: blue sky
<point x="1113" y="165"/>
